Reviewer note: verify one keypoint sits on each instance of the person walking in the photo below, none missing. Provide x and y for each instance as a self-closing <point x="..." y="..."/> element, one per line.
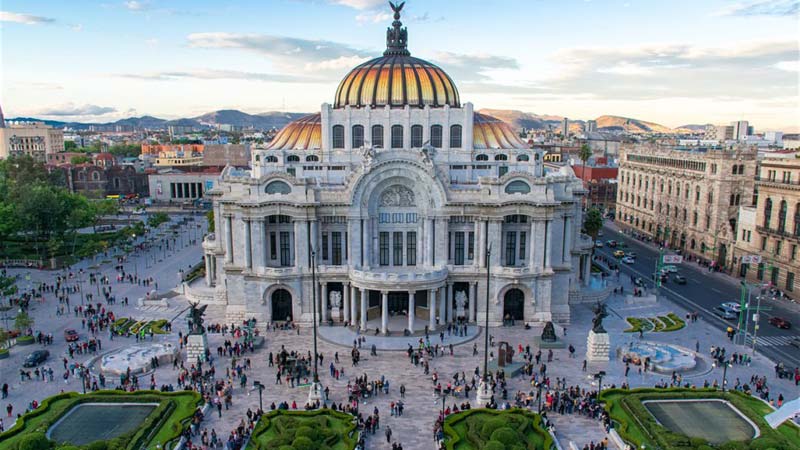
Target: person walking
<point x="388" y="434"/>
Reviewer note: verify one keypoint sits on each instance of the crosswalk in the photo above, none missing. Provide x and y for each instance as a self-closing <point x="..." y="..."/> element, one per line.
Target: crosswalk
<point x="770" y="341"/>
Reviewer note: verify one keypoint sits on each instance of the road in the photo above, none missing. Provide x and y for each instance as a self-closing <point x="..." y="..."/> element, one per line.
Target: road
<point x="704" y="291"/>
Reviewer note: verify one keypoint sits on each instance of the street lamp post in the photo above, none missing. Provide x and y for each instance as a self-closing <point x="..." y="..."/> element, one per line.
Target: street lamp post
<point x="725" y="366"/>
<point x="485" y="393"/>
<point x="599" y="377"/>
<point x="315" y="394"/>
<point x="258" y="385"/>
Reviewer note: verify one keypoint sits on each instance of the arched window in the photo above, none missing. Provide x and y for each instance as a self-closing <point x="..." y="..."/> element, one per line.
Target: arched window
<point x="455" y="136"/>
<point x="782" y="216"/>
<point x="481" y="158"/>
<point x="436" y="136"/>
<point x="523" y="158"/>
<point x="312" y="158"/>
<point x="271" y="159"/>
<point x="735" y="169"/>
<point x="278" y="187"/>
<point x="767" y="212"/>
<point x="500" y="157"/>
<point x="258" y="158"/>
<point x="358" y="136"/>
<point x="338" y="136"/>
<point x="95" y="176"/>
<point x="292" y="158"/>
<point x="397" y="136"/>
<point x="518" y="187"/>
<point x="377" y="136"/>
<point x="416" y="136"/>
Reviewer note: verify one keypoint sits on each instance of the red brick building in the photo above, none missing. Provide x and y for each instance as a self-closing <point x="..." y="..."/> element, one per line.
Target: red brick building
<point x="601" y="182"/>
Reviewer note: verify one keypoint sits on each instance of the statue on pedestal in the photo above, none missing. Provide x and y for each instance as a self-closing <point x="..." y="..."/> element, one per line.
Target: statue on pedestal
<point x="196" y="318"/>
<point x="599" y="314"/>
<point x="461" y="304"/>
<point x="549" y="332"/>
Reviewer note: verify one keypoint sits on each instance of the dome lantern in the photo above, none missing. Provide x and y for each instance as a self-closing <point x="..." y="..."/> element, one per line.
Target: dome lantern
<point x="396" y="37"/>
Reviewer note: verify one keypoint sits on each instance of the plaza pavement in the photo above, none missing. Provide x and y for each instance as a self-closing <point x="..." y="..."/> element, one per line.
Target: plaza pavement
<point x="414" y="429"/>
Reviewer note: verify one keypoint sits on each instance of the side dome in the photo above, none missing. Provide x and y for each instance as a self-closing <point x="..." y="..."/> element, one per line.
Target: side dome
<point x="304" y="133"/>
<point x="490" y="132"/>
<point x="397" y="79"/>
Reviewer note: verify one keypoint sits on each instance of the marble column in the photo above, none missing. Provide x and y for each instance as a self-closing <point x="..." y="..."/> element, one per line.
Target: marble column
<point x="532" y="241"/>
<point x="354" y="243"/>
<point x="364" y="302"/>
<point x="385" y="312"/>
<point x="567" y="239"/>
<point x="263" y="242"/>
<point x="208" y="270"/>
<point x="229" y="239"/>
<point x="495" y="235"/>
<point x="248" y="244"/>
<point x="476" y="257"/>
<point x="450" y="317"/>
<point x="587" y="270"/>
<point x="432" y="309"/>
<point x="473" y="301"/>
<point x="442" y="306"/>
<point x="353" y="304"/>
<point x="548" y="242"/>
<point x="301" y="255"/>
<point x="483" y="243"/>
<point x="428" y="250"/>
<point x="346" y="304"/>
<point x="324" y="302"/>
<point x="314" y="239"/>
<point x="412" y="306"/>
<point x="440" y="245"/>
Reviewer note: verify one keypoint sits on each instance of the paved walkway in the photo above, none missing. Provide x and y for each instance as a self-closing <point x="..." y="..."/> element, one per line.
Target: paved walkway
<point x="345" y="336"/>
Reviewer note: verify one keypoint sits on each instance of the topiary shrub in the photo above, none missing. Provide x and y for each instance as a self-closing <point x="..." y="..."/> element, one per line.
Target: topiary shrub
<point x="303" y="443"/>
<point x="98" y="445"/>
<point x="490" y="425"/>
<point x="34" y="441"/>
<point x="505" y="435"/>
<point x="308" y="432"/>
<point x="494" y="445"/>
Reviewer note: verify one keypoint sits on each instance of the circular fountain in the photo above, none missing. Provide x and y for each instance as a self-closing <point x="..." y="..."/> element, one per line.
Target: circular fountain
<point x="662" y="357"/>
<point x="137" y="357"/>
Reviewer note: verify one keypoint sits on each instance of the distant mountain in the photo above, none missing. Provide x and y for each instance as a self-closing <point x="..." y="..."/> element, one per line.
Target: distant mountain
<point x="237" y="118"/>
<point x="519" y="119"/>
<point x="694" y="127"/>
<point x="630" y="125"/>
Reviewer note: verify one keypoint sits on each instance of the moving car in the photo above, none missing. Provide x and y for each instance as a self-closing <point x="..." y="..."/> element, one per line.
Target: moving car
<point x="734" y="306"/>
<point x="70" y="335"/>
<point x="680" y="279"/>
<point x="632" y="254"/>
<point x="611" y="243"/>
<point x="670" y="269"/>
<point x="628" y="260"/>
<point x="619" y="253"/>
<point x="36" y="358"/>
<point x="795" y="342"/>
<point x="780" y="323"/>
<point x="598" y="244"/>
<point x="726" y="313"/>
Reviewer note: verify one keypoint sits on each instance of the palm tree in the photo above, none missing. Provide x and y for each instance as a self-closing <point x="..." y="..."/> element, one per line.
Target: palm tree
<point x="584" y="154"/>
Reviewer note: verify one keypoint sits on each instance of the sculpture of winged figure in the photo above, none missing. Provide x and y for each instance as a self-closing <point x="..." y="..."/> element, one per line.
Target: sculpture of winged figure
<point x="196" y="318"/>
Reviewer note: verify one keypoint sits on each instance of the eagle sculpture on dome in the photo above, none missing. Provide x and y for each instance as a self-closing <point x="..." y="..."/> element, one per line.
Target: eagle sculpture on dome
<point x="396" y="37"/>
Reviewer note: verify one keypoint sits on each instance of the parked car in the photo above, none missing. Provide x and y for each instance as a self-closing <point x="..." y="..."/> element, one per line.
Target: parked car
<point x="598" y="244"/>
<point x="70" y="335"/>
<point x="680" y="279"/>
<point x="726" y="313"/>
<point x="619" y="253"/>
<point x="36" y="358"/>
<point x="628" y="260"/>
<point x="780" y="322"/>
<point x="600" y="233"/>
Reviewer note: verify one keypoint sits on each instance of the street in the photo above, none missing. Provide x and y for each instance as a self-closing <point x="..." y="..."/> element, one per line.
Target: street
<point x="704" y="291"/>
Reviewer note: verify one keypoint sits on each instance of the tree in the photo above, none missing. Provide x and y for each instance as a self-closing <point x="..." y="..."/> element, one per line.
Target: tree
<point x="210" y="219"/>
<point x="70" y="146"/>
<point x="82" y="159"/>
<point x="23" y="321"/>
<point x="157" y="219"/>
<point x="124" y="150"/>
<point x="593" y="222"/>
<point x="584" y="154"/>
<point x="3" y="338"/>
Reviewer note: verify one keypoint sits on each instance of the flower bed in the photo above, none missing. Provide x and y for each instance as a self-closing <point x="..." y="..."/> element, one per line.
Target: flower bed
<point x="488" y="429"/>
<point x="125" y="324"/>
<point x="664" y="324"/>
<point x="305" y="430"/>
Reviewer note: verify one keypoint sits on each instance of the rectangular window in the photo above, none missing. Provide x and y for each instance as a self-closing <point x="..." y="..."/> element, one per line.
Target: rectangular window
<point x="511" y="245"/>
<point x="286" y="259"/>
<point x="384" y="217"/>
<point x="790" y="281"/>
<point x="449" y="245"/>
<point x="763" y="243"/>
<point x="774" y="276"/>
<point x="336" y="250"/>
<point x="522" y="236"/>
<point x="397" y="248"/>
<point x="778" y="247"/>
<point x="273" y="246"/>
<point x="377" y="136"/>
<point x="397" y="217"/>
<point x="459" y="258"/>
<point x="383" y="238"/>
<point x="760" y="273"/>
<point x="471" y="246"/>
<point x="324" y="246"/>
<point x="411" y="248"/>
<point x="794" y="252"/>
<point x="397" y="136"/>
<point x="411" y="217"/>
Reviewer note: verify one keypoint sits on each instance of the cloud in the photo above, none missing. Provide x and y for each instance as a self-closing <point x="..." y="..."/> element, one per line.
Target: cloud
<point x="473" y="67"/>
<point x="135" y="5"/>
<point x="373" y="17"/>
<point x="790" y="66"/>
<point x="211" y="74"/>
<point x="77" y="27"/>
<point x="71" y="109"/>
<point x="27" y="19"/>
<point x="290" y="54"/>
<point x="152" y="42"/>
<point x="359" y="4"/>
<point x="779" y="8"/>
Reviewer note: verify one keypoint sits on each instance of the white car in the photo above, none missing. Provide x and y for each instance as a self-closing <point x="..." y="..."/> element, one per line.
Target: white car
<point x="735" y="306"/>
<point x="670" y="269"/>
<point x="598" y="244"/>
<point x="628" y="260"/>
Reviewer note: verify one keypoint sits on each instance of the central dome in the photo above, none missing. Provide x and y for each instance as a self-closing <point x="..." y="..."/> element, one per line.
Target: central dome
<point x="396" y="79"/>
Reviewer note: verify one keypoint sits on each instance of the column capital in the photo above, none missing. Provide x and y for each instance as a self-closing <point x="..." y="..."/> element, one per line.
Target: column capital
<point x="346" y="284"/>
<point x="450" y="283"/>
<point x="384" y="292"/>
<point x="412" y="292"/>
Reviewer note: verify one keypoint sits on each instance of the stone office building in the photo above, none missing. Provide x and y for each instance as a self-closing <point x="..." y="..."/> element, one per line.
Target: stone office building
<point x="392" y="196"/>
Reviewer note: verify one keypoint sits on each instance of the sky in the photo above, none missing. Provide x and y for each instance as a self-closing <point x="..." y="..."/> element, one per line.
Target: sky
<point x="672" y="62"/>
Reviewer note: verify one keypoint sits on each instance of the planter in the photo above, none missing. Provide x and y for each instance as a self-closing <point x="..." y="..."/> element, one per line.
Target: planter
<point x="4" y="354"/>
<point x="26" y="340"/>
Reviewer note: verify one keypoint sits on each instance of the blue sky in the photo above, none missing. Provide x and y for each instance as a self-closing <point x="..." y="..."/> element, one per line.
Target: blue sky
<point x="673" y="62"/>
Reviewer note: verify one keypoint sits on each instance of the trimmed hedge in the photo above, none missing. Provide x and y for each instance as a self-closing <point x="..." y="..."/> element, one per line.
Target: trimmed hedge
<point x="164" y="424"/>
<point x="305" y="430"/>
<point x="26" y="340"/>
<point x="512" y="429"/>
<point x="638" y="426"/>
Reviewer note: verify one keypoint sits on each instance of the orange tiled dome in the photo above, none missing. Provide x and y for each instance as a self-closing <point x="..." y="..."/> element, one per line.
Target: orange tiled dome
<point x="491" y="132"/>
<point x="304" y="133"/>
<point x="397" y="80"/>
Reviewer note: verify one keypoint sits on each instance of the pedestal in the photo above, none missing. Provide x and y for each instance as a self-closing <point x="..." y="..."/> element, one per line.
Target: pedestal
<point x="598" y="347"/>
<point x="485" y="394"/>
<point x="196" y="346"/>
<point x="316" y="393"/>
<point x="461" y="312"/>
<point x="336" y="314"/>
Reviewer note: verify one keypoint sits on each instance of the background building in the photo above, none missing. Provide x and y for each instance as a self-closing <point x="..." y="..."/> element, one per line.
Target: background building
<point x="184" y="185"/>
<point x="600" y="181"/>
<point x="237" y="155"/>
<point x="34" y="139"/>
<point x="686" y="198"/>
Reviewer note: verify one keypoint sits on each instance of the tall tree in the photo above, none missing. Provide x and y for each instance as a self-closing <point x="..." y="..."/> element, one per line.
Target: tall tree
<point x="592" y="223"/>
<point x="584" y="154"/>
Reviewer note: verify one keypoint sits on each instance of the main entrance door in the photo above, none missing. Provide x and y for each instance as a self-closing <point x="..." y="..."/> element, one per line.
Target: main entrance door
<point x="398" y="302"/>
<point x="281" y="305"/>
<point x="514" y="305"/>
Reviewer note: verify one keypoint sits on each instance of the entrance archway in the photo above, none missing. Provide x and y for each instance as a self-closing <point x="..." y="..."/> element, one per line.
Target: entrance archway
<point x="514" y="305"/>
<point x="281" y="305"/>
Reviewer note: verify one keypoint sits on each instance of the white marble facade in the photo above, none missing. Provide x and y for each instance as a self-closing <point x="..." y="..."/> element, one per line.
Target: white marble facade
<point x="398" y="227"/>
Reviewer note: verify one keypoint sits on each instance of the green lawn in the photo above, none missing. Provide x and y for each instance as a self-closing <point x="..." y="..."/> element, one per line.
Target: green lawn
<point x="638" y="426"/>
<point x="162" y="425"/>
<point x="305" y="430"/>
<point x="488" y="429"/>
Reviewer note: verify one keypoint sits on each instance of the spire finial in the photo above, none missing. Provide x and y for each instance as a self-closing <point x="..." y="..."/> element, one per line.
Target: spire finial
<point x="396" y="36"/>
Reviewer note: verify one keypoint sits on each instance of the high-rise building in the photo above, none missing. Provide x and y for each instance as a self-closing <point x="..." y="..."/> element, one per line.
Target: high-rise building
<point x="565" y="127"/>
<point x="30" y="138"/>
<point x="724" y="133"/>
<point x="687" y="198"/>
<point x="741" y="129"/>
<point x="591" y="126"/>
